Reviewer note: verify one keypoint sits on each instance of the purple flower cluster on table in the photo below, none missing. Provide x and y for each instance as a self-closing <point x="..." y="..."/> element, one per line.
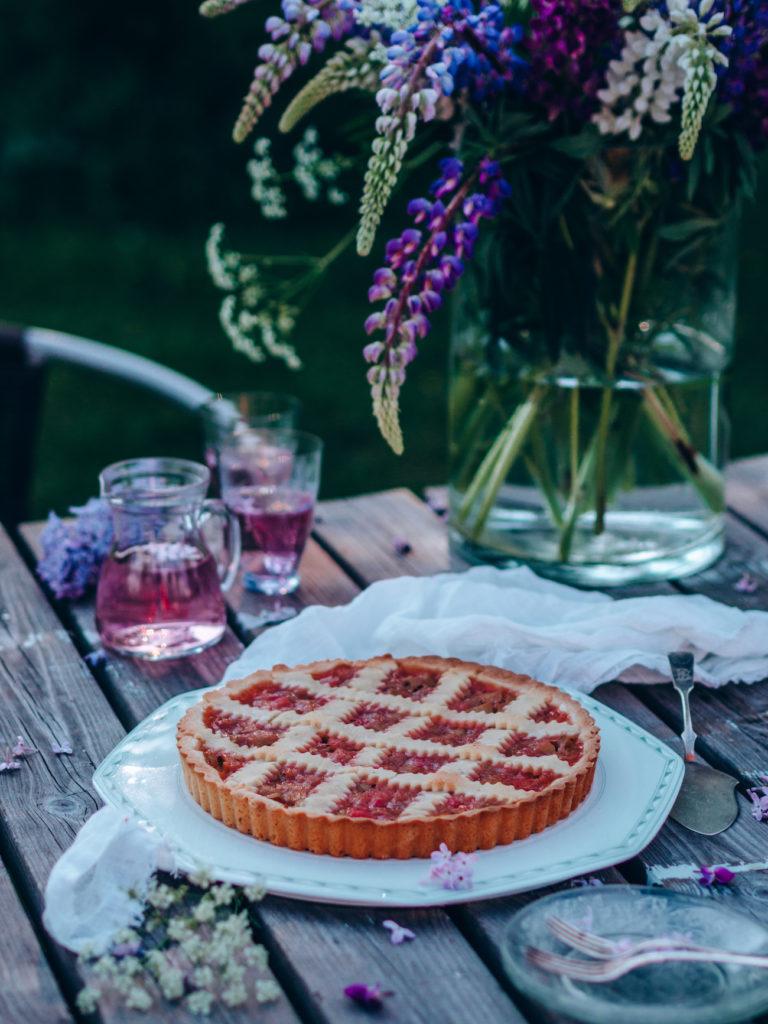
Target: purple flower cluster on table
<point x="422" y="264"/>
<point x="73" y="552"/>
<point x="570" y="44"/>
<point x="452" y="870"/>
<point x="370" y="996"/>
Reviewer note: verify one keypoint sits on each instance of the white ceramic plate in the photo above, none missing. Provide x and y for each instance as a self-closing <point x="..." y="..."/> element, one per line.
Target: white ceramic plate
<point x="636" y="782"/>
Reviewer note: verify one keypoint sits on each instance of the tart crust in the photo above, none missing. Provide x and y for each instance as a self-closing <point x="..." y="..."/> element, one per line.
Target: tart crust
<point x="303" y="807"/>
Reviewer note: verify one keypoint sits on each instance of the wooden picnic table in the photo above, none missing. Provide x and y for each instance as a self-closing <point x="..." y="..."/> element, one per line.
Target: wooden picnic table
<point x="453" y="972"/>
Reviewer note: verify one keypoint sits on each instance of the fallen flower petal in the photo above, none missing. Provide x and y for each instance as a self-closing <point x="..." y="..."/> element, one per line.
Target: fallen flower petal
<point x="10" y="766"/>
<point x="96" y="657"/>
<point x="746" y="584"/>
<point x="61" y="748"/>
<point x="401" y="546"/>
<point x="759" y="797"/>
<point x="367" y="995"/>
<point x="398" y="934"/>
<point x="21" y="748"/>
<point x="712" y="876"/>
<point x="452" y="870"/>
<point x="583" y="883"/>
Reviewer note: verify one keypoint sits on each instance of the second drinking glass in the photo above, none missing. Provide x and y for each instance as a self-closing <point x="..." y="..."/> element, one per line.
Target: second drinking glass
<point x="271" y="485"/>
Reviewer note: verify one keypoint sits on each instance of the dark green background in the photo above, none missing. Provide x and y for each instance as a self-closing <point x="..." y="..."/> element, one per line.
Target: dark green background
<point x="115" y="157"/>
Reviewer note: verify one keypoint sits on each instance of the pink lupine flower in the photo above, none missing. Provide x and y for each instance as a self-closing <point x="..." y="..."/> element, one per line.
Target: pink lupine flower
<point x="397" y="933"/>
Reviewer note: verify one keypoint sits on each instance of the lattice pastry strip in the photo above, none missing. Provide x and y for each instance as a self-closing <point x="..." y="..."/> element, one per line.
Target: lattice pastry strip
<point x="373" y="758"/>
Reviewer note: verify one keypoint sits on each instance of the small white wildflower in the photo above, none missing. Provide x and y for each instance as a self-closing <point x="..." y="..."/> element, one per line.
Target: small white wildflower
<point x="203" y="976"/>
<point x="217" y="264"/>
<point x="199" y="1003"/>
<point x="222" y="895"/>
<point x="205" y="911"/>
<point x="138" y="998"/>
<point x="336" y="197"/>
<point x="394" y="14"/>
<point x="266" y="990"/>
<point x="255" y="956"/>
<point x="179" y="930"/>
<point x="194" y="948"/>
<point x="171" y="982"/>
<point x="87" y="999"/>
<point x="235" y="995"/>
<point x="161" y="897"/>
<point x="254" y="893"/>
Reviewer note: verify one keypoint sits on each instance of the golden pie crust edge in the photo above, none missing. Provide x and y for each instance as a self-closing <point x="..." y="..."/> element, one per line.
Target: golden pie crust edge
<point x="362" y="838"/>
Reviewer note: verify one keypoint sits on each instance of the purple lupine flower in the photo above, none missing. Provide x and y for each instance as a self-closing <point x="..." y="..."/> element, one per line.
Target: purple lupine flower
<point x="422" y="263"/>
<point x="570" y="44"/>
<point x="21" y="748"/>
<point x="744" y="83"/>
<point x="73" y="553"/>
<point x="712" y="876"/>
<point x="306" y="27"/>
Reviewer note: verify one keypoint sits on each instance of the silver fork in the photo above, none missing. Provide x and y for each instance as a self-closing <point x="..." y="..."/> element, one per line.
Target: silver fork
<point x="604" y="949"/>
<point x="601" y="971"/>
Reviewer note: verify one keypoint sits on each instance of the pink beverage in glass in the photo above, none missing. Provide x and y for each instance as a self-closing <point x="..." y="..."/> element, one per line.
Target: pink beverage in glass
<point x="161" y="598"/>
<point x="274" y="527"/>
<point x="272" y="491"/>
<point x="160" y="587"/>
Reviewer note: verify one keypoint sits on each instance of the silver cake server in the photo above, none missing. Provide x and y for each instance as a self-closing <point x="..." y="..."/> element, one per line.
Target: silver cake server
<point x="707" y="800"/>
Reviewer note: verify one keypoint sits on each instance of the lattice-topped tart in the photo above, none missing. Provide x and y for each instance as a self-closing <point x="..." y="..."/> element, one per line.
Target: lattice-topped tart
<point x="388" y="757"/>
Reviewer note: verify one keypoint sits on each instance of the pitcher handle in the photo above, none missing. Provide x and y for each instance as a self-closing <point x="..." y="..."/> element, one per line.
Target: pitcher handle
<point x="213" y="507"/>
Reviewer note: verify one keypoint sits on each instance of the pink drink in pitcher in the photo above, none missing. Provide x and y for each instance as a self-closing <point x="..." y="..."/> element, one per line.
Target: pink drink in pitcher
<point x="163" y="596"/>
<point x="274" y="527"/>
<point x="160" y="587"/>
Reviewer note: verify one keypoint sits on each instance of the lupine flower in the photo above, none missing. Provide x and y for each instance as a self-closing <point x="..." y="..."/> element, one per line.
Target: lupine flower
<point x="61" y="748"/>
<point x="759" y="797"/>
<point x="745" y="83"/>
<point x="397" y="933"/>
<point x="9" y="765"/>
<point x="96" y="658"/>
<point x="570" y="43"/>
<point x="306" y="27"/>
<point x="452" y="870"/>
<point x="73" y="553"/>
<point x="423" y="263"/>
<point x="370" y="996"/>
<point x="450" y="47"/>
<point x="712" y="876"/>
<point x="662" y="57"/>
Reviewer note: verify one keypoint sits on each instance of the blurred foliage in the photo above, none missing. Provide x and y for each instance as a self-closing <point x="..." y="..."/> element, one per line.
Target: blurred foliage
<point x="115" y="156"/>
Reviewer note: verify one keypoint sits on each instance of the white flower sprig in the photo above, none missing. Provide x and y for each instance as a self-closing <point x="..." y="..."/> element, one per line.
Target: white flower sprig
<point x="194" y="947"/>
<point x="266" y="188"/>
<point x="662" y="59"/>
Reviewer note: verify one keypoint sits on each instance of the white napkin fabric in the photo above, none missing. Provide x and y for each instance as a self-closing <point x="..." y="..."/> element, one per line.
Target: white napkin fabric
<point x="514" y="619"/>
<point x="97" y="887"/>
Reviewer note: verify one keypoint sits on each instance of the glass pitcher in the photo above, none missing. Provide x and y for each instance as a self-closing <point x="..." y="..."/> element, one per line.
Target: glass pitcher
<point x="160" y="588"/>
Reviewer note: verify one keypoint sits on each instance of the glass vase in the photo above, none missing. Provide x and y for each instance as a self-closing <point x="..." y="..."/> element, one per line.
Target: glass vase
<point x="587" y="432"/>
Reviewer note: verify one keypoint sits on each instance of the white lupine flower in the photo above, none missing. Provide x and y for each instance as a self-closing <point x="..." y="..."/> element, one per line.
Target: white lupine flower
<point x="666" y="58"/>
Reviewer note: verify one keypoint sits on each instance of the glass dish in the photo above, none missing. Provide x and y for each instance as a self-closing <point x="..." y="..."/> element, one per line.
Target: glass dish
<point x="670" y="993"/>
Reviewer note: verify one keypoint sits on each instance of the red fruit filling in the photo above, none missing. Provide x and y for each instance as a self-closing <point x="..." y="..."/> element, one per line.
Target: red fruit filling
<point x="453" y="734"/>
<point x="373" y="799"/>
<point x="373" y="716"/>
<point x="335" y="748"/>
<point x="406" y="761"/>
<point x="548" y="712"/>
<point x="224" y="763"/>
<point x="279" y="698"/>
<point x="567" y="748"/>
<point x="480" y="696"/>
<point x="336" y="675"/>
<point x="512" y="775"/>
<point x="404" y="682"/>
<point x="242" y="731"/>
<point x="455" y="803"/>
<point x="289" y="784"/>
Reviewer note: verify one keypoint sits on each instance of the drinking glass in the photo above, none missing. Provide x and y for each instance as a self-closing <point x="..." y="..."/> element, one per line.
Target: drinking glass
<point x="271" y="485"/>
<point x="160" y="589"/>
<point x="238" y="414"/>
